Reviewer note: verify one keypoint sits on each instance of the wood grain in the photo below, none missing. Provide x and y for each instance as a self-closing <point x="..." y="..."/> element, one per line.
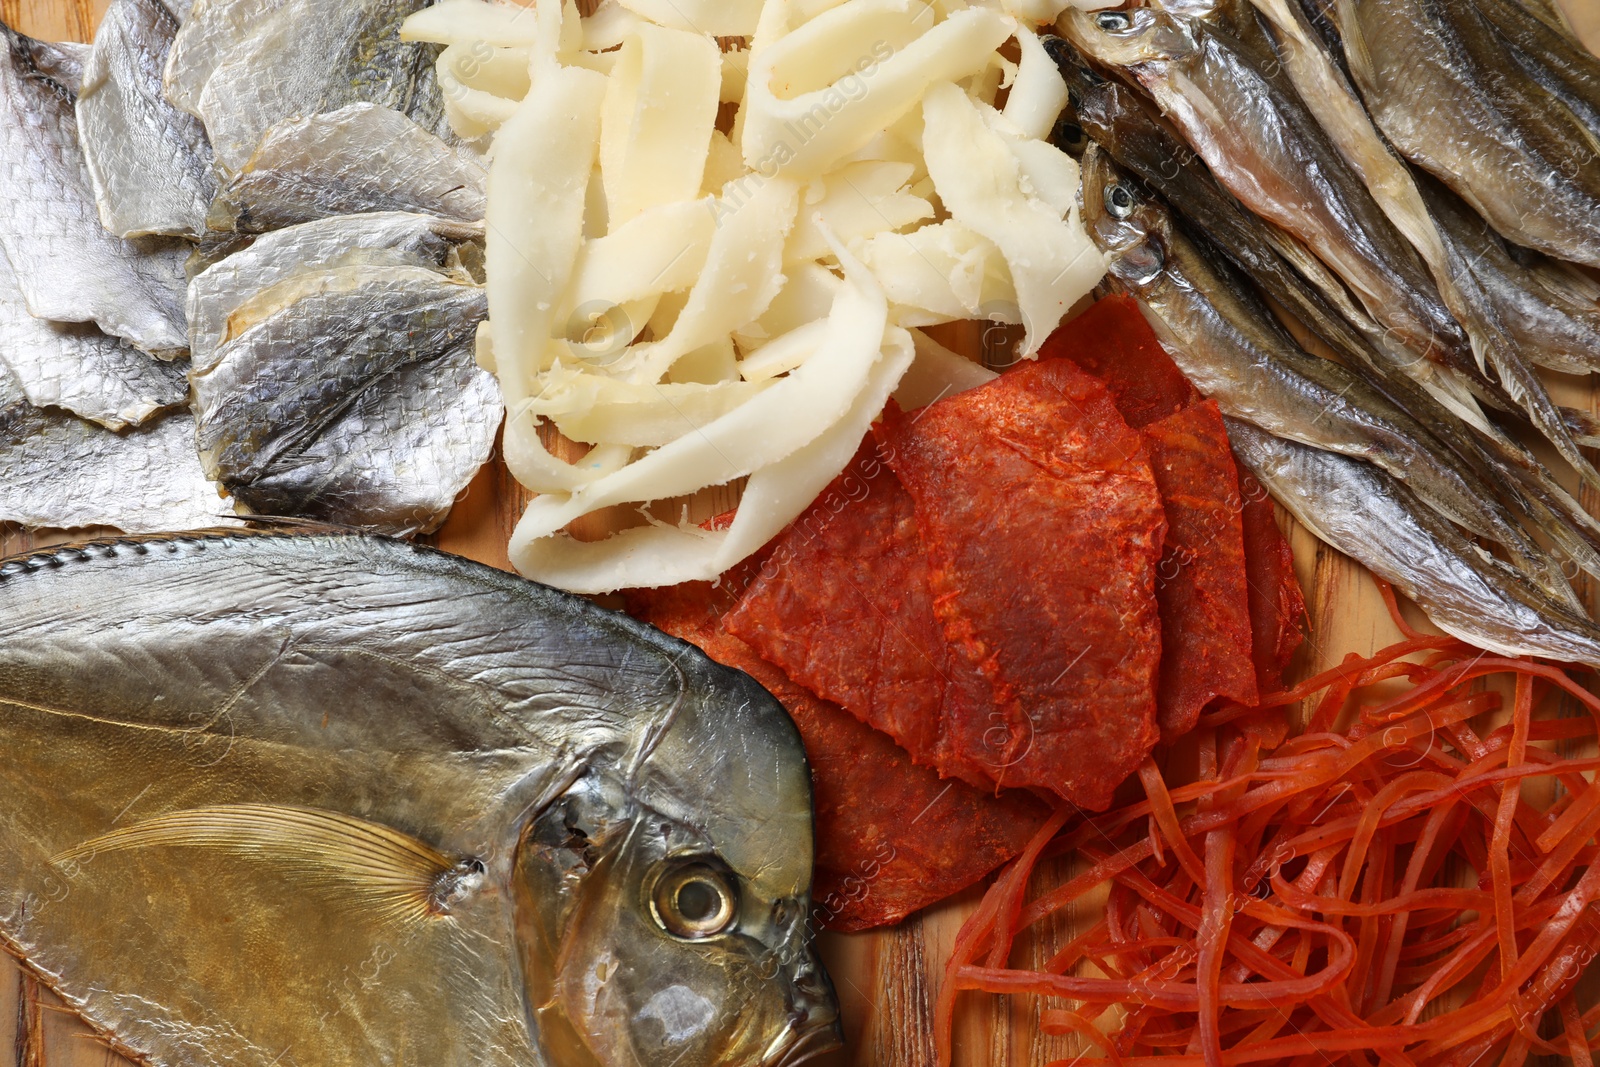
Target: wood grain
<point x="887" y="980"/>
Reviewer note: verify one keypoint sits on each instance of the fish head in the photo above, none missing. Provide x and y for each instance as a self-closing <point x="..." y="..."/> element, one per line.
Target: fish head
<point x="1131" y="38"/>
<point x="1125" y="221"/>
<point x="664" y="909"/>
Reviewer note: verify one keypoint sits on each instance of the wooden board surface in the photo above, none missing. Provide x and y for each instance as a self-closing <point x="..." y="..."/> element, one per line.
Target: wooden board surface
<point x="886" y="979"/>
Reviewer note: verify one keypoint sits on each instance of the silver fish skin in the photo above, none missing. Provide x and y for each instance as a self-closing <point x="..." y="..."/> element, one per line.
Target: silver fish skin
<point x="71" y="269"/>
<point x="445" y="816"/>
<point x="1369" y="516"/>
<point x="1558" y="331"/>
<point x="149" y="162"/>
<point x="1462" y="138"/>
<point x="376" y="239"/>
<point x="76" y="367"/>
<point x="65" y="473"/>
<point x="212" y="29"/>
<point x="1262" y="144"/>
<point x="307" y="57"/>
<point x="351" y="395"/>
<point x="1228" y="344"/>
<point x="360" y="158"/>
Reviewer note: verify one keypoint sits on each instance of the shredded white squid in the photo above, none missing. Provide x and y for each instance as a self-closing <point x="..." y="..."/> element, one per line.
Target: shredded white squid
<point x="715" y="228"/>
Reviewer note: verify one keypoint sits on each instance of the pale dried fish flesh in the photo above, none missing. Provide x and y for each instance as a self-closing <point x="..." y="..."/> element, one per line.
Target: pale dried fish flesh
<point x="76" y="367"/>
<point x="70" y="268"/>
<point x="63" y="472"/>
<point x="376" y="239"/>
<point x="357" y="159"/>
<point x="351" y="395"/>
<point x="150" y="163"/>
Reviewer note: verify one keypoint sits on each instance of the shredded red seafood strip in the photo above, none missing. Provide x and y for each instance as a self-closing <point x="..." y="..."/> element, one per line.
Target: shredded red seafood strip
<point x="1400" y="883"/>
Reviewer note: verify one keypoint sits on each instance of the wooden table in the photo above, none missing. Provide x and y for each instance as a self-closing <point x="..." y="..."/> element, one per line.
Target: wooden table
<point x="886" y="979"/>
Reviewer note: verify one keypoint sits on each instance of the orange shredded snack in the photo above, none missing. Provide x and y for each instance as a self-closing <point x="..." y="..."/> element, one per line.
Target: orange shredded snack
<point x="1312" y="902"/>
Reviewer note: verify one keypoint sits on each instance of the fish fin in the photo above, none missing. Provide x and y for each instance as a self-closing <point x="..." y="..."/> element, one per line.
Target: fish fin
<point x="374" y="867"/>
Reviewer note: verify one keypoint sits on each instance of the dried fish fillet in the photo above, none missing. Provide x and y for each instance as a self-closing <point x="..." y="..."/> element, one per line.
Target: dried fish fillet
<point x="65" y="473"/>
<point x="70" y="268"/>
<point x="76" y="367"/>
<point x="150" y="163"/>
<point x="307" y="57"/>
<point x="377" y="239"/>
<point x="359" y="158"/>
<point x="212" y="29"/>
<point x="351" y="395"/>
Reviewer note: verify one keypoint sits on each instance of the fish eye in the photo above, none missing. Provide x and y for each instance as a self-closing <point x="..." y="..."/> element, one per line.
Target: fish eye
<point x="1114" y="21"/>
<point x="694" y="901"/>
<point x="1070" y="135"/>
<point x="1119" y="201"/>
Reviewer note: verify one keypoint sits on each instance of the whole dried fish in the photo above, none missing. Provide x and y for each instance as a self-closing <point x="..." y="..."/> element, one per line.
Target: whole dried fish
<point x="150" y="163"/>
<point x="359" y="158"/>
<point x="76" y="367"/>
<point x="1230" y="346"/>
<point x="1265" y="147"/>
<point x="62" y="472"/>
<point x="350" y="395"/>
<point x="1464" y="137"/>
<point x="342" y="801"/>
<point x="377" y="239"/>
<point x="298" y="58"/>
<point x="1368" y="515"/>
<point x="70" y="268"/>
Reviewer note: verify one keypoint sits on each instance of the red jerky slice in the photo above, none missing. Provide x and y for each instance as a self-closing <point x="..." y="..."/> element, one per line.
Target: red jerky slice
<point x="1206" y="637"/>
<point x="1113" y="342"/>
<point x="891" y="837"/>
<point x="1043" y="527"/>
<point x="845" y="608"/>
<point x="1277" y="605"/>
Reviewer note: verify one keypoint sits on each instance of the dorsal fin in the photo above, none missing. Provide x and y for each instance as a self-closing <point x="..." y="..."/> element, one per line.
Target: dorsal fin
<point x="368" y="866"/>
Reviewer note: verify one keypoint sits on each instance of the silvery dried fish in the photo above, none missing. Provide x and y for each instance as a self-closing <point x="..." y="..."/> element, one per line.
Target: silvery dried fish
<point x="376" y="239"/>
<point x="359" y="158"/>
<point x="350" y="395"/>
<point x="304" y="57"/>
<point x="70" y="268"/>
<point x="76" y="367"/>
<point x="63" y="472"/>
<point x="273" y="801"/>
<point x="150" y="163"/>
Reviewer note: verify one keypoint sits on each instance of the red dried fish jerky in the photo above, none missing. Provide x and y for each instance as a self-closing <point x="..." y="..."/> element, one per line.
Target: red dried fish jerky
<point x="891" y="837"/>
<point x="1206" y="637"/>
<point x="845" y="607"/>
<point x="1043" y="527"/>
<point x="1113" y="342"/>
<point x="1277" y="605"/>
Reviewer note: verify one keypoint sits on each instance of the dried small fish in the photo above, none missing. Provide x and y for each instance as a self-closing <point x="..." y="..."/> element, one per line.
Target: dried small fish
<point x="1368" y="515"/>
<point x="344" y="801"/>
<point x="1230" y="346"/>
<point x="350" y="395"/>
<point x="1464" y="137"/>
<point x="62" y="472"/>
<point x="76" y="367"/>
<point x="70" y="268"/>
<point x="298" y="58"/>
<point x="359" y="158"/>
<point x="150" y="163"/>
<point x="376" y="239"/>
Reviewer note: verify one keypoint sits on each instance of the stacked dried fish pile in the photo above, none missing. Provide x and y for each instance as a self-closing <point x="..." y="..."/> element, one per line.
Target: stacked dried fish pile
<point x="1248" y="148"/>
<point x="272" y="187"/>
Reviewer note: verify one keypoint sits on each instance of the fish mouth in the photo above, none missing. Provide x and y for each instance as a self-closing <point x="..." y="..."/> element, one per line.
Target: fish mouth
<point x="799" y="1043"/>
